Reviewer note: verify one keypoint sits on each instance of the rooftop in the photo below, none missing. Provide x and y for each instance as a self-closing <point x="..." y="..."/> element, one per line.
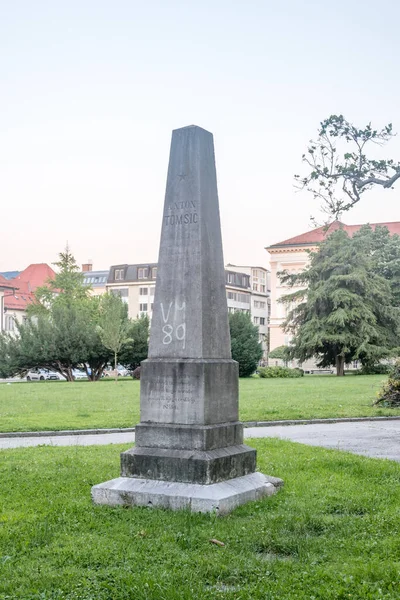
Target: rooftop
<point x="318" y="235"/>
<point x="9" y="274"/>
<point x="95" y="278"/>
<point x="25" y="284"/>
<point x="33" y="277"/>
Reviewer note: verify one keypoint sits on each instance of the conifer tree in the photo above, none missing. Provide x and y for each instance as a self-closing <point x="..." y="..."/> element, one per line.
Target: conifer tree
<point x="245" y="344"/>
<point x="347" y="310"/>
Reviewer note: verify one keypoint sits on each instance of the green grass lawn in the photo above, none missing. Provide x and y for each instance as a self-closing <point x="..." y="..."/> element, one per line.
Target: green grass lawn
<point x="60" y="405"/>
<point x="332" y="533"/>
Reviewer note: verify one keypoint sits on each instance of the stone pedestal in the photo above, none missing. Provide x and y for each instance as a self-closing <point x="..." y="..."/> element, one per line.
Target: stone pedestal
<point x="189" y="443"/>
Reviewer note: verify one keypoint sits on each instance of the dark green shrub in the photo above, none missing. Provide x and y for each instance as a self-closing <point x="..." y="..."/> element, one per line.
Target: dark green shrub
<point x="136" y="373"/>
<point x="274" y="372"/>
<point x="389" y="395"/>
<point x="378" y="369"/>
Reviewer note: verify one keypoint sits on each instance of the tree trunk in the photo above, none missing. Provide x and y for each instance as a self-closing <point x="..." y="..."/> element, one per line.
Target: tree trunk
<point x="90" y="375"/>
<point x="115" y="367"/>
<point x="340" y="365"/>
<point x="70" y="376"/>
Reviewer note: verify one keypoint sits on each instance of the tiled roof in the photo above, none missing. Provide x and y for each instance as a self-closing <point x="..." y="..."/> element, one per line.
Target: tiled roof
<point x="9" y="274"/>
<point x="5" y="287"/>
<point x="17" y="301"/>
<point x="33" y="277"/>
<point x="316" y="236"/>
<point x="25" y="284"/>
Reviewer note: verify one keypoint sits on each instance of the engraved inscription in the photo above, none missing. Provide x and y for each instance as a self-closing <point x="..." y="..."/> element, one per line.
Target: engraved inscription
<point x="182" y="219"/>
<point x="170" y="394"/>
<point x="185" y="219"/>
<point x="182" y="205"/>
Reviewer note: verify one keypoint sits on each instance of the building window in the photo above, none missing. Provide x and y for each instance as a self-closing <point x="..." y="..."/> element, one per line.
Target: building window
<point x="256" y="320"/>
<point x="245" y="283"/>
<point x="259" y="304"/>
<point x="122" y="293"/>
<point x="143" y="273"/>
<point x="119" y="274"/>
<point x="230" y="277"/>
<point x="255" y="287"/>
<point x="245" y="298"/>
<point x="154" y="272"/>
<point x="143" y="307"/>
<point x="143" y="291"/>
<point x="258" y="275"/>
<point x="152" y="291"/>
<point x="262" y="288"/>
<point x="231" y="296"/>
<point x="262" y="321"/>
<point x="9" y="323"/>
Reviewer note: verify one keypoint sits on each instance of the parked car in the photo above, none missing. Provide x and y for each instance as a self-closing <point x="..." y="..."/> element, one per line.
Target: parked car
<point x="122" y="372"/>
<point x="79" y="374"/>
<point x="42" y="375"/>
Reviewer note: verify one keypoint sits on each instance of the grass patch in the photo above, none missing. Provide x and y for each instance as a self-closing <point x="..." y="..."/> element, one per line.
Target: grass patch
<point x="331" y="533"/>
<point x="60" y="405"/>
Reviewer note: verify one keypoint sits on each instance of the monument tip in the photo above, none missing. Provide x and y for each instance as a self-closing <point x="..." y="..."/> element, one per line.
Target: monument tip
<point x="192" y="127"/>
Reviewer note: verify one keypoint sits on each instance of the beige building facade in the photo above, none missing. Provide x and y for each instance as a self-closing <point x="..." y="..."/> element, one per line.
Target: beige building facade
<point x="135" y="284"/>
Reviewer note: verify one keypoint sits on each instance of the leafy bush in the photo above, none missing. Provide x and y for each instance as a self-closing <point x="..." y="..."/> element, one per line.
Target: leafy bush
<point x="280" y="352"/>
<point x="136" y="373"/>
<point x="273" y="372"/>
<point x="378" y="369"/>
<point x="389" y="395"/>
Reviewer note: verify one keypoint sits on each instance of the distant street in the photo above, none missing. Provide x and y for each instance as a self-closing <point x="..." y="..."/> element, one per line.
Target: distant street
<point x="378" y="439"/>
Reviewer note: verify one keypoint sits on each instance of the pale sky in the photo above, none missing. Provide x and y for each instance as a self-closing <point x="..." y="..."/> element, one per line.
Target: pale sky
<point x="90" y="91"/>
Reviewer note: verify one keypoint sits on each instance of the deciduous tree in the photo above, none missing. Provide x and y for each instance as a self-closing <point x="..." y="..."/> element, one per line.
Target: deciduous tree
<point x="113" y="326"/>
<point x="136" y="350"/>
<point x="342" y="165"/>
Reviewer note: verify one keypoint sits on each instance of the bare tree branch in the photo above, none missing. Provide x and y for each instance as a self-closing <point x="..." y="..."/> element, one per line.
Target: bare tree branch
<point x="340" y="170"/>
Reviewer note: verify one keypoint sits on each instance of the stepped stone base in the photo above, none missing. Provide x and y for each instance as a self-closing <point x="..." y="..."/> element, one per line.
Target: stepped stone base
<point x="221" y="497"/>
<point x="189" y="437"/>
<point x="188" y="466"/>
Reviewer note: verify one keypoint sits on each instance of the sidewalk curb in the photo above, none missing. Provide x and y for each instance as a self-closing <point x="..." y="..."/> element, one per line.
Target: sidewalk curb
<point x="65" y="432"/>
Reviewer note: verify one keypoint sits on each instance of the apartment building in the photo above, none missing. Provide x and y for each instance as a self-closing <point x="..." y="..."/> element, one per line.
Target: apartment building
<point x="97" y="280"/>
<point x="245" y="291"/>
<point x="135" y="284"/>
<point x="259" y="297"/>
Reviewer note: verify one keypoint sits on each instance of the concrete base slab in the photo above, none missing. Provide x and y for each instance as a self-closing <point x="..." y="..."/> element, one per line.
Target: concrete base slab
<point x="221" y="497"/>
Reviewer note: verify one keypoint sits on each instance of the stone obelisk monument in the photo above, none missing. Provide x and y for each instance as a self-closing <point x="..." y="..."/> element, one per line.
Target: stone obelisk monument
<point x="189" y="449"/>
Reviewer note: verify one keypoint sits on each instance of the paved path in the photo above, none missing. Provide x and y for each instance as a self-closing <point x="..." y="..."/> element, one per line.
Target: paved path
<point x="379" y="439"/>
